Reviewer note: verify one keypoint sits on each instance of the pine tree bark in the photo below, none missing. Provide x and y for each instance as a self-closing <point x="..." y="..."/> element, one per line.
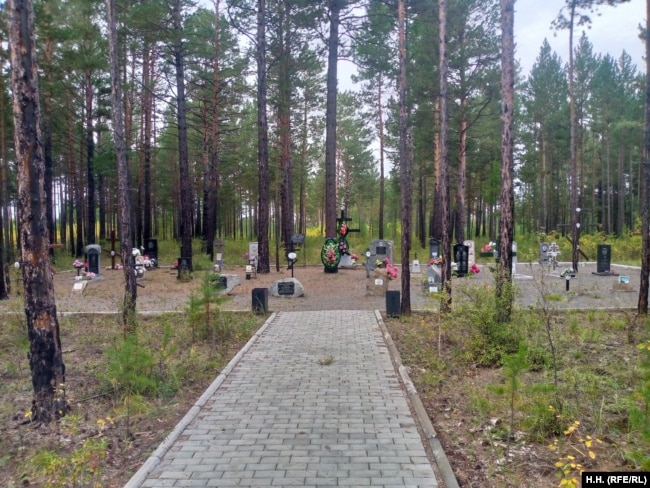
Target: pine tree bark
<point x="123" y="178"/>
<point x="263" y="264"/>
<point x="89" y="91"/>
<point x="284" y="116"/>
<point x="405" y="165"/>
<point x="181" y="119"/>
<point x="330" y="119"/>
<point x="507" y="196"/>
<point x="442" y="182"/>
<point x="642" y="307"/>
<point x="45" y="356"/>
<point x="382" y="180"/>
<point x="147" y="107"/>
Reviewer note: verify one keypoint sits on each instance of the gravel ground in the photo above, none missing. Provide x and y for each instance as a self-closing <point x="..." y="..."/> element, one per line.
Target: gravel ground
<point x="161" y="291"/>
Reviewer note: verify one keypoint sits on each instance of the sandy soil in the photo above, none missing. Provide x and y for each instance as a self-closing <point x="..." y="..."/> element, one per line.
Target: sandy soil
<point x="161" y="291"/>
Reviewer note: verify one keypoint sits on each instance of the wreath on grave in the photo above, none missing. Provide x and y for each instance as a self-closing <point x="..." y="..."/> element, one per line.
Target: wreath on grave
<point x="330" y="254"/>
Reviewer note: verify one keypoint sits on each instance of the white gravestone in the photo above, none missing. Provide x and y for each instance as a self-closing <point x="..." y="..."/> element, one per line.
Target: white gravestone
<point x="471" y="254"/>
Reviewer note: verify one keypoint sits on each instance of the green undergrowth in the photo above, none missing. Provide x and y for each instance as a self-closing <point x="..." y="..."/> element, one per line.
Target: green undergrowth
<point x="567" y="390"/>
<point x="125" y="392"/>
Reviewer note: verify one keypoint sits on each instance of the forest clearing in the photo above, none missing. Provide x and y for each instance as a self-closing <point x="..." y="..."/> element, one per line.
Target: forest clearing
<point x="120" y="409"/>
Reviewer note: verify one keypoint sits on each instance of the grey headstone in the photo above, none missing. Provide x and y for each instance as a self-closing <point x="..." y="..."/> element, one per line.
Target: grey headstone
<point x="544" y="257"/>
<point x="281" y="288"/>
<point x="232" y="281"/>
<point x="379" y="250"/>
<point x="433" y="283"/>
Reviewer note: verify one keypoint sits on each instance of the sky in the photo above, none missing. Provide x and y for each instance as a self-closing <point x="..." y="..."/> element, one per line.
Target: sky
<point x="614" y="30"/>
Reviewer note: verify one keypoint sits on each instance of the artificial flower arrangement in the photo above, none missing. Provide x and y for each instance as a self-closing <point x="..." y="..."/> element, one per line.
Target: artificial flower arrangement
<point x="330" y="254"/>
<point x="489" y="247"/>
<point x="435" y="261"/>
<point x="354" y="257"/>
<point x="246" y="256"/>
<point x="474" y="269"/>
<point x="78" y="264"/>
<point x="391" y="269"/>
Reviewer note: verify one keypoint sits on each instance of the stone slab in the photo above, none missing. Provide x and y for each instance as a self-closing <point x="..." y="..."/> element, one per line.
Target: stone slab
<point x="279" y="288"/>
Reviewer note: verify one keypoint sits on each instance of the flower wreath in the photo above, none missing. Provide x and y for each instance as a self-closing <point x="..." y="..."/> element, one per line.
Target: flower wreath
<point x="330" y="254"/>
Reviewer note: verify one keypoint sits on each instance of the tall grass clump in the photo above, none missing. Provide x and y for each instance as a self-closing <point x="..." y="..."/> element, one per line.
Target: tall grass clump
<point x="488" y="340"/>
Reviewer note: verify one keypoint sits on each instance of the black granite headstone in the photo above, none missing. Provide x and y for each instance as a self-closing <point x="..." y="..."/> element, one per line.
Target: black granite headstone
<point x="286" y="288"/>
<point x="260" y="300"/>
<point x="151" y="249"/>
<point x="434" y="248"/>
<point x="392" y="303"/>
<point x="184" y="268"/>
<point x="604" y="258"/>
<point x="461" y="257"/>
<point x="93" y="252"/>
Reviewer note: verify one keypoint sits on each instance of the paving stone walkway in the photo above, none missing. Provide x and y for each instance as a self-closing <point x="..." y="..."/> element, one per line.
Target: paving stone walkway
<point x="313" y="400"/>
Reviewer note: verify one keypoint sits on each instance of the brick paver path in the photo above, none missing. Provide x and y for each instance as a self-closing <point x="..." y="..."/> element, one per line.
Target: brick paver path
<point x="314" y="402"/>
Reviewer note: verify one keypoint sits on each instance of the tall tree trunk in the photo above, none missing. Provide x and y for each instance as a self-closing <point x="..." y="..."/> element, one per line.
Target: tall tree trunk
<point x="302" y="226"/>
<point x="543" y="204"/>
<point x="263" y="263"/>
<point x="507" y="196"/>
<point x="382" y="181"/>
<point x="147" y="108"/>
<point x="435" y="226"/>
<point x="4" y="195"/>
<point x="620" y="193"/>
<point x="573" y="171"/>
<point x="47" y="144"/>
<point x="462" y="173"/>
<point x="405" y="169"/>
<point x="45" y="356"/>
<point x="90" y="156"/>
<point x="210" y="199"/>
<point x="642" y="307"/>
<point x="442" y="185"/>
<point x="284" y="115"/>
<point x="330" y="119"/>
<point x="123" y="179"/>
<point x="181" y="119"/>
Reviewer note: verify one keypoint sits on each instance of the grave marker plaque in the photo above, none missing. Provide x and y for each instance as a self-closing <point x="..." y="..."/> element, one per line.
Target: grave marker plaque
<point x="433" y="284"/>
<point x="222" y="282"/>
<point x="286" y="288"/>
<point x="434" y="248"/>
<point x="252" y="251"/>
<point x="260" y="299"/>
<point x="604" y="258"/>
<point x="461" y="256"/>
<point x="544" y="258"/>
<point x="151" y="249"/>
<point x="184" y="268"/>
<point x="93" y="252"/>
<point x="381" y="249"/>
<point x="471" y="256"/>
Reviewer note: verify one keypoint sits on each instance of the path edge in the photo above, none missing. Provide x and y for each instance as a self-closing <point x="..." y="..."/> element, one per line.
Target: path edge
<point x="155" y="458"/>
<point x="439" y="455"/>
